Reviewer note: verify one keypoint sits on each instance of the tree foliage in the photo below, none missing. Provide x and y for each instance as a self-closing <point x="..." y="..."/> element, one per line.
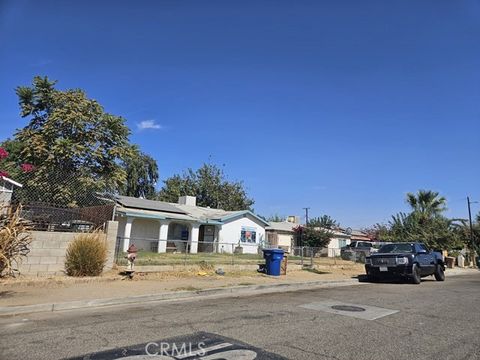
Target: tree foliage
<point x="313" y="237"/>
<point x="324" y="222"/>
<point x="438" y="232"/>
<point x="424" y="223"/>
<point x="142" y="175"/>
<point x="427" y="203"/>
<point x="211" y="187"/>
<point x="276" y="218"/>
<point x="69" y="136"/>
<point x="377" y="232"/>
<point x="71" y="148"/>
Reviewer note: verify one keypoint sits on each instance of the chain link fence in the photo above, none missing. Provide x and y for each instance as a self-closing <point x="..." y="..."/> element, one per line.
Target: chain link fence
<point x="62" y="201"/>
<point x="179" y="253"/>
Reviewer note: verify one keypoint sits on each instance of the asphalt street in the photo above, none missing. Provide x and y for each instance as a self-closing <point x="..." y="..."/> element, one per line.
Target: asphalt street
<point x="433" y="320"/>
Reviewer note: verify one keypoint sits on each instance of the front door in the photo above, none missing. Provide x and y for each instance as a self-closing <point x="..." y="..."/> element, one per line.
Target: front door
<point x="206" y="237"/>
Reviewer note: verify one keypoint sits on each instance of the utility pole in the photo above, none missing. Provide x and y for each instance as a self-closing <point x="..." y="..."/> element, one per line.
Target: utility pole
<point x="472" y="240"/>
<point x="306" y="224"/>
<point x="306" y="215"/>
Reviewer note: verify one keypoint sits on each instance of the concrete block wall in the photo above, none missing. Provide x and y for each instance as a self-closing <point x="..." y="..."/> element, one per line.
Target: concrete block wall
<point x="47" y="251"/>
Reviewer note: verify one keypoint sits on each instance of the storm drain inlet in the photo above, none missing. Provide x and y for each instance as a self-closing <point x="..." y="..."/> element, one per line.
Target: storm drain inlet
<point x="350" y="308"/>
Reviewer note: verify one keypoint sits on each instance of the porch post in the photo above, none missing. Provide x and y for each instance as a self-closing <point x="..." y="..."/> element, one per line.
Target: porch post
<point x="163" y="236"/>
<point x="194" y="238"/>
<point x="126" y="234"/>
<point x="219" y="238"/>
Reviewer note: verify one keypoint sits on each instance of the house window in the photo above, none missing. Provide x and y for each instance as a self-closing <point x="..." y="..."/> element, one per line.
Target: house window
<point x="248" y="234"/>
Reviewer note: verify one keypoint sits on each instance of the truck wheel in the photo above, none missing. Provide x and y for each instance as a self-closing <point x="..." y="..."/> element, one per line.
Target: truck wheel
<point x="416" y="278"/>
<point x="439" y="273"/>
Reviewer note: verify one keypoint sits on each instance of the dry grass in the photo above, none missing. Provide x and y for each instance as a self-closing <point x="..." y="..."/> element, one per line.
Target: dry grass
<point x="86" y="255"/>
<point x="15" y="239"/>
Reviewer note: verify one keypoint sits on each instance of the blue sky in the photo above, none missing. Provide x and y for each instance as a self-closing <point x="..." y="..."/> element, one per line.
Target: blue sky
<point x="341" y="106"/>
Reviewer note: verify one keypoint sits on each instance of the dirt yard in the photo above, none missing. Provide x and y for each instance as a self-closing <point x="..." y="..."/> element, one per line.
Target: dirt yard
<point x="26" y="291"/>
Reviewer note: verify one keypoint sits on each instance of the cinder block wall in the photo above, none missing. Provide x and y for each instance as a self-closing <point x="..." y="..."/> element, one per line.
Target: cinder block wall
<point x="47" y="251"/>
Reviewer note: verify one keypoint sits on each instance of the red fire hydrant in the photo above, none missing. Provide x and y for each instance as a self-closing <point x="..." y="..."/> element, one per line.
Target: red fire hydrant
<point x="131" y="256"/>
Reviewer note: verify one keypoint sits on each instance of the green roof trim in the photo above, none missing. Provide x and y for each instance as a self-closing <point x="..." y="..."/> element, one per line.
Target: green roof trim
<point x="143" y="216"/>
<point x="211" y="222"/>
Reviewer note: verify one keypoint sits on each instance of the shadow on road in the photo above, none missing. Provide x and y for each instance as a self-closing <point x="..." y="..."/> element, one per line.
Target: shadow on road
<point x="393" y="280"/>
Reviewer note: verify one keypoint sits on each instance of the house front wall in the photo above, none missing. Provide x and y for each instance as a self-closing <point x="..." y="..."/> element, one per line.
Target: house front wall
<point x="143" y="233"/>
<point x="336" y="244"/>
<point x="285" y="240"/>
<point x="231" y="232"/>
<point x="280" y="238"/>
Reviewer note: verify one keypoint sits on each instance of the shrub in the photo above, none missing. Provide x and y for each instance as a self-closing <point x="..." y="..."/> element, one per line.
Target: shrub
<point x="86" y="255"/>
<point x="15" y="239"/>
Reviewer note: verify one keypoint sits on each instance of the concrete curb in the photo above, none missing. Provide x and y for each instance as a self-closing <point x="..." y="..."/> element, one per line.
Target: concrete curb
<point x="198" y="294"/>
<point x="460" y="271"/>
<point x="178" y="295"/>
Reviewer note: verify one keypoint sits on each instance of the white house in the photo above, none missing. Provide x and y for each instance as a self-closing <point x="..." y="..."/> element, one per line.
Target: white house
<point x="281" y="234"/>
<point x="6" y="190"/>
<point x="162" y="227"/>
<point x="339" y="239"/>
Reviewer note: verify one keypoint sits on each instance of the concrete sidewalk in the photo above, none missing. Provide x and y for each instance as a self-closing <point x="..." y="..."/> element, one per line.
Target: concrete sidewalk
<point x="262" y="284"/>
<point x="177" y="295"/>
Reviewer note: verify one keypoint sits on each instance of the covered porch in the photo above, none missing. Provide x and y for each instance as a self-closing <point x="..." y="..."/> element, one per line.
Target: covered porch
<point x="160" y="234"/>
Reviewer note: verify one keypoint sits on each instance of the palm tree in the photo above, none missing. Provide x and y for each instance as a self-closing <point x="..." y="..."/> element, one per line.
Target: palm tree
<point x="427" y="203"/>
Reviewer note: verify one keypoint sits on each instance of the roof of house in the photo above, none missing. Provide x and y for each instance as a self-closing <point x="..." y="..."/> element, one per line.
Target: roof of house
<point x="358" y="232"/>
<point x="144" y="204"/>
<point x="7" y="179"/>
<point x="359" y="235"/>
<point x="154" y="209"/>
<point x="281" y="226"/>
<point x="151" y="214"/>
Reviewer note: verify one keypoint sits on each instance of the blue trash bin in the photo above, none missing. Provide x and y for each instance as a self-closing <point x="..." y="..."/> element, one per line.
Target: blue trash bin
<point x="273" y="261"/>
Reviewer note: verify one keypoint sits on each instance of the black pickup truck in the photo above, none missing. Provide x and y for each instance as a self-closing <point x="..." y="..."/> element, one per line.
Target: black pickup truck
<point x="407" y="260"/>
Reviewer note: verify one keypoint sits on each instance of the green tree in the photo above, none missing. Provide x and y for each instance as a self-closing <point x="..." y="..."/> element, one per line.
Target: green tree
<point x="71" y="142"/>
<point x="424" y="223"/>
<point x="313" y="237"/>
<point x="427" y="203"/>
<point x="211" y="187"/>
<point x="10" y="160"/>
<point x="276" y="218"/>
<point x="437" y="232"/>
<point x="377" y="232"/>
<point x="142" y="175"/>
<point x="324" y="222"/>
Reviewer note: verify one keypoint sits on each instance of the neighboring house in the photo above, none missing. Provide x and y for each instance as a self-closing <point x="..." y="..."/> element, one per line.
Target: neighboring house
<point x="281" y="234"/>
<point x="167" y="227"/>
<point x="339" y="239"/>
<point x="358" y="235"/>
<point x="7" y="186"/>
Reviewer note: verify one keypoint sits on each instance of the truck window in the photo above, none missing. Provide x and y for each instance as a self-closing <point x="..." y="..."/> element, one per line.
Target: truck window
<point x="423" y="247"/>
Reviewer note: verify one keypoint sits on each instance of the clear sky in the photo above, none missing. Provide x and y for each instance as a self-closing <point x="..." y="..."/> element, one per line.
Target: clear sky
<point x="341" y="106"/>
